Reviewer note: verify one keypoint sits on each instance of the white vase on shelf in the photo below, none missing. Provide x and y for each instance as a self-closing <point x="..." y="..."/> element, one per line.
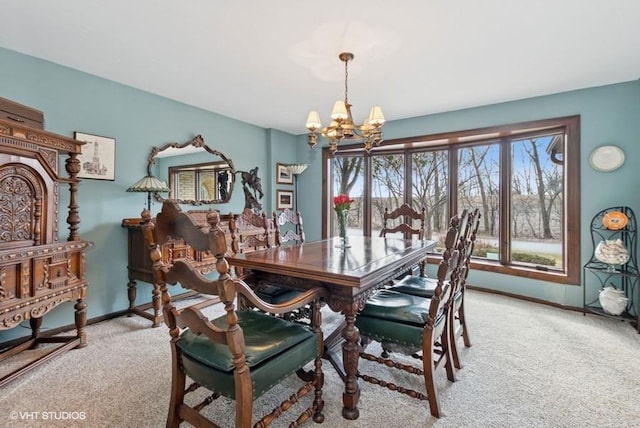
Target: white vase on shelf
<point x="612" y="300"/>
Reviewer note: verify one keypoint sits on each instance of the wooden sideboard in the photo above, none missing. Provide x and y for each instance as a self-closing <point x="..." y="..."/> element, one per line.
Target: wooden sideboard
<point x="139" y="267"/>
<point x="37" y="271"/>
<point x="139" y="261"/>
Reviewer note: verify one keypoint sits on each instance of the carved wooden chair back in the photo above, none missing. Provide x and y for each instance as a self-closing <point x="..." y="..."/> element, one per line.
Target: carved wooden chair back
<point x="458" y="323"/>
<point x="229" y="355"/>
<point x="404" y="220"/>
<point x="250" y="231"/>
<point x="288" y="227"/>
<point x="407" y="223"/>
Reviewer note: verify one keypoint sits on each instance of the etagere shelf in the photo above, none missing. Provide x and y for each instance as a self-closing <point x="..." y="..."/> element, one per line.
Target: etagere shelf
<point x="597" y="274"/>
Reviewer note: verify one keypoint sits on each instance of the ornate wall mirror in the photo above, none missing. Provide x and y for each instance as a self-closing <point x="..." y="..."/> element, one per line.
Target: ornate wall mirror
<point x="196" y="174"/>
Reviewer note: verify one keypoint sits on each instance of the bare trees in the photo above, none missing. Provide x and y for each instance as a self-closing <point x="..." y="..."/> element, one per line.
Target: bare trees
<point x="347" y="171"/>
<point x="430" y="188"/>
<point x="539" y="177"/>
<point x="534" y="188"/>
<point x="387" y="185"/>
<point x="478" y="181"/>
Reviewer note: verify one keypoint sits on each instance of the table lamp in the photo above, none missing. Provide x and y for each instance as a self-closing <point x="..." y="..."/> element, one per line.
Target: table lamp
<point x="149" y="184"/>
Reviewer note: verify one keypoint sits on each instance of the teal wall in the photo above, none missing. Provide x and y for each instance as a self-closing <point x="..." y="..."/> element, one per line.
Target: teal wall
<point x="76" y="101"/>
<point x="609" y="115"/>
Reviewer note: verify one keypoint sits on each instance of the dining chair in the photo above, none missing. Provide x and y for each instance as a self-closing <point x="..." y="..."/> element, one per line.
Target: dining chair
<point x="411" y="222"/>
<point x="424" y="287"/>
<point x="288" y="230"/>
<point x="288" y="227"/>
<point x="408" y="324"/>
<point x="240" y="355"/>
<point x="458" y="324"/>
<point x="407" y="223"/>
<point x="251" y="231"/>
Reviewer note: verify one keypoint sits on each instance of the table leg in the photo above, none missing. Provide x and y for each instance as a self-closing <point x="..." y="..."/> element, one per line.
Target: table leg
<point x="350" y="356"/>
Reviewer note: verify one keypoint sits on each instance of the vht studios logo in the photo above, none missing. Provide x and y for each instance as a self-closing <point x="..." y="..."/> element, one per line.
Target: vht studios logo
<point x="47" y="416"/>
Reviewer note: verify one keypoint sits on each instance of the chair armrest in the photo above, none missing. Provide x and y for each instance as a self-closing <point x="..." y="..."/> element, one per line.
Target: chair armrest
<point x="280" y="308"/>
<point x="199" y="324"/>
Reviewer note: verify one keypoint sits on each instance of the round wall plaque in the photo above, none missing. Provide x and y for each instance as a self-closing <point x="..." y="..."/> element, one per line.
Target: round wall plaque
<point x="606" y="158"/>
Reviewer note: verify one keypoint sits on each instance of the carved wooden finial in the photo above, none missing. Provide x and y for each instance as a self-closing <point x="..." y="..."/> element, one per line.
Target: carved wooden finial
<point x="146" y="215"/>
<point x="213" y="218"/>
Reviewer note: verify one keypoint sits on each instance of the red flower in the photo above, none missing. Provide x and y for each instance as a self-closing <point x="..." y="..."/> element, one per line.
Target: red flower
<point x="342" y="202"/>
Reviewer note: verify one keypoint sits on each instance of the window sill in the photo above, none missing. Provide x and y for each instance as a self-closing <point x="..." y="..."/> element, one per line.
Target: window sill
<point x="521" y="271"/>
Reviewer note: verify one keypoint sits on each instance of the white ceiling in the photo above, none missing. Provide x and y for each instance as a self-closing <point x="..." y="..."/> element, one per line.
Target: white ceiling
<point x="270" y="62"/>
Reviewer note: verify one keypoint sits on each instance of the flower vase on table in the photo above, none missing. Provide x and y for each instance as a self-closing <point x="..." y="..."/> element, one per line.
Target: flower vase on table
<point x="343" y="217"/>
<point x="341" y="205"/>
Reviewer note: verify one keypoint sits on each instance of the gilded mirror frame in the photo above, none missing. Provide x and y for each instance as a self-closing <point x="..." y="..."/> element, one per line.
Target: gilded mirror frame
<point x="197" y="142"/>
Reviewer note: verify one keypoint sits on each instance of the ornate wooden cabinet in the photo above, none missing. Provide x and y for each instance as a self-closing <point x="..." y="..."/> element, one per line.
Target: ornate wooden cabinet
<point x="37" y="271"/>
<point x="139" y="264"/>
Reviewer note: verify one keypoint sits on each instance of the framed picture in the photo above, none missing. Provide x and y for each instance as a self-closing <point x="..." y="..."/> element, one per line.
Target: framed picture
<point x="98" y="158"/>
<point x="284" y="199"/>
<point x="284" y="175"/>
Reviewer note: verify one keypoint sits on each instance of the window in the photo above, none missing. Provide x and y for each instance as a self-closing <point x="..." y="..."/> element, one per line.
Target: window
<point x="523" y="177"/>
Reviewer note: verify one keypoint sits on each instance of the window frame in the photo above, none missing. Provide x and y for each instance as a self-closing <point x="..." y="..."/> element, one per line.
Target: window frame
<point x="568" y="125"/>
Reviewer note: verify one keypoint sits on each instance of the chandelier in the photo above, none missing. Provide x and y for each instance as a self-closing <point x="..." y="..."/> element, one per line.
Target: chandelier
<point x="342" y="126"/>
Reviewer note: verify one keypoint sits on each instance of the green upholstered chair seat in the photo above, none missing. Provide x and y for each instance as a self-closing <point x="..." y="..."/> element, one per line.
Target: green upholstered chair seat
<point x="395" y="306"/>
<point x="416" y="285"/>
<point x="393" y="317"/>
<point x="274" y="294"/>
<point x="421" y="286"/>
<point x="274" y="348"/>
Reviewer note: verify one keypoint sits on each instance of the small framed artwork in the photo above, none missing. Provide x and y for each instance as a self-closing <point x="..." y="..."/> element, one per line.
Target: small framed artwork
<point x="284" y="175"/>
<point x="98" y="157"/>
<point x="284" y="199"/>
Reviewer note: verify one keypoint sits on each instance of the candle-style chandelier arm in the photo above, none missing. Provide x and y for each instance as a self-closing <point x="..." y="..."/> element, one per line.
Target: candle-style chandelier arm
<point x="341" y="126"/>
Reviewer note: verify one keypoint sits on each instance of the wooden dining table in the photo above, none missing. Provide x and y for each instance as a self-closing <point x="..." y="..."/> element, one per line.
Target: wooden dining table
<point x="351" y="275"/>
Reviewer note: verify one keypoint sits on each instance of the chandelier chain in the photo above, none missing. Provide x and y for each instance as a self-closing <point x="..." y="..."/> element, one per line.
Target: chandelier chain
<point x="346" y="80"/>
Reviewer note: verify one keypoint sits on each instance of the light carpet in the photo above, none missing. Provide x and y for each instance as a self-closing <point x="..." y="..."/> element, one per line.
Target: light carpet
<point x="530" y="366"/>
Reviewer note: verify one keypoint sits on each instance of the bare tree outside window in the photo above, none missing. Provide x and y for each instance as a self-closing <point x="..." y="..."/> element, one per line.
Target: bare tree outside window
<point x="387" y="187"/>
<point x="479" y="186"/>
<point x="430" y="189"/>
<point x="537" y="199"/>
